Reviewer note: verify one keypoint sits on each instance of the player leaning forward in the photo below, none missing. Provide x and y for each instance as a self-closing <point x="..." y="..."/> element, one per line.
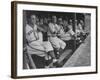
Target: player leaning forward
<point x="56" y="42"/>
<point x="36" y="46"/>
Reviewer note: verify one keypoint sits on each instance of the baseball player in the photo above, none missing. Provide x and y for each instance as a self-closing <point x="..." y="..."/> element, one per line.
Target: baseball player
<point x="36" y="47"/>
<point x="61" y="32"/>
<point x="56" y="42"/>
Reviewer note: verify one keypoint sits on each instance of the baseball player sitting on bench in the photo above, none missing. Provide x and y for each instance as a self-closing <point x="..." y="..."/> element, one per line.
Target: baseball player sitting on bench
<point x="36" y="47"/>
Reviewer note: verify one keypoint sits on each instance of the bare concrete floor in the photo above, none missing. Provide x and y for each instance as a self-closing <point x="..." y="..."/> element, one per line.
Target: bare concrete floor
<point x="82" y="56"/>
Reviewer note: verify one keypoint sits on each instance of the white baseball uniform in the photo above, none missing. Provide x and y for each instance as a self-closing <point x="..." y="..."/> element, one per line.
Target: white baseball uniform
<point x="65" y="35"/>
<point x="35" y="42"/>
<point x="55" y="41"/>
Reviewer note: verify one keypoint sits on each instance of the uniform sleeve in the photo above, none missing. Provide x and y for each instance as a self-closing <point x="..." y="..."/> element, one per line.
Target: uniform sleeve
<point x="80" y="27"/>
<point x="57" y="27"/>
<point x="29" y="34"/>
<point x="51" y="28"/>
<point x="28" y="31"/>
<point x="40" y="37"/>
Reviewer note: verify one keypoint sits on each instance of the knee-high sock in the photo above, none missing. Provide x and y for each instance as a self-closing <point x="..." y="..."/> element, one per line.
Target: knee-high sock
<point x="51" y="53"/>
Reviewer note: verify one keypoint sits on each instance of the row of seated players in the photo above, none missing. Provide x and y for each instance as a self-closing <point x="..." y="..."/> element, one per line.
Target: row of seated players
<point x="64" y="30"/>
<point x="43" y="38"/>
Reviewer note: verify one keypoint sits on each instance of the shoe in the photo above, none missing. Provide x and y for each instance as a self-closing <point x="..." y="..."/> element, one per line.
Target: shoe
<point x="58" y="55"/>
<point x="56" y="64"/>
<point x="55" y="60"/>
